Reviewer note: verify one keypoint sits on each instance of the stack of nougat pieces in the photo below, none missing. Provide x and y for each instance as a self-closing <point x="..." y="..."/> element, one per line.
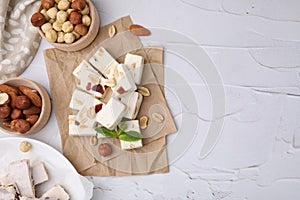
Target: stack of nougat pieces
<point x="21" y="179"/>
<point x="106" y="95"/>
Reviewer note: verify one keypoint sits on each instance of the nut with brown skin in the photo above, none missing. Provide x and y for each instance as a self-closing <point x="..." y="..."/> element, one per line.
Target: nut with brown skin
<point x="75" y="17"/>
<point x="5" y="111"/>
<point x="32" y="95"/>
<point x="16" y="114"/>
<point x="78" y="4"/>
<point x="20" y="125"/>
<point x="23" y="102"/>
<point x="32" y="119"/>
<point x="81" y="29"/>
<point x="33" y="110"/>
<point x="38" y="19"/>
<point x="47" y="4"/>
<point x="104" y="149"/>
<point x="6" y="123"/>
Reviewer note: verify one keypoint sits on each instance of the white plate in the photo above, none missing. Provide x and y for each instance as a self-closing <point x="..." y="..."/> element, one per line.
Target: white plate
<point x="60" y="170"/>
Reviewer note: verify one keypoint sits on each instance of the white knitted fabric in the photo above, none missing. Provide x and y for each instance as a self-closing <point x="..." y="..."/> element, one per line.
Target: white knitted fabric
<point x="19" y="40"/>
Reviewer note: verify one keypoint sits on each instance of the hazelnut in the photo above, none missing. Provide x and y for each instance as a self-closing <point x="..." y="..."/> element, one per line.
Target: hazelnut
<point x="81" y="29"/>
<point x="20" y="125"/>
<point x="4" y="111"/>
<point x="23" y="102"/>
<point x="104" y="149"/>
<point x="86" y="10"/>
<point x="86" y="20"/>
<point x="61" y="16"/>
<point x="25" y="146"/>
<point x="51" y="35"/>
<point x="46" y="27"/>
<point x="33" y="110"/>
<point x="38" y="19"/>
<point x="51" y="21"/>
<point x="78" y="4"/>
<point x="69" y="38"/>
<point x="52" y="12"/>
<point x="63" y="5"/>
<point x="44" y="12"/>
<point x="77" y="36"/>
<point x="57" y="26"/>
<point x="16" y="114"/>
<point x="4" y="98"/>
<point x="60" y="37"/>
<point x="67" y="27"/>
<point x="32" y="119"/>
<point x="47" y="4"/>
<point x="75" y="17"/>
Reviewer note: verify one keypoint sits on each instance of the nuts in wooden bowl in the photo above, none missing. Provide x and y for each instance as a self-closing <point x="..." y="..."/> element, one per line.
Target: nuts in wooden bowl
<point x="24" y="106"/>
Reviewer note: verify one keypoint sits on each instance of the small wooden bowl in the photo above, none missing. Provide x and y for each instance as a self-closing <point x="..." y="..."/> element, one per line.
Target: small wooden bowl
<point x="85" y="40"/>
<point x="45" y="110"/>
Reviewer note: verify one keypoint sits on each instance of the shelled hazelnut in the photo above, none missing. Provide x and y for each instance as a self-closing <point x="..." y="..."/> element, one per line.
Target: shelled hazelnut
<point x="63" y="21"/>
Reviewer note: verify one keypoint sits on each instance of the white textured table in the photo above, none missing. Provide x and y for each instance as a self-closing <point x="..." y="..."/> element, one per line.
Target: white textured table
<point x="255" y="48"/>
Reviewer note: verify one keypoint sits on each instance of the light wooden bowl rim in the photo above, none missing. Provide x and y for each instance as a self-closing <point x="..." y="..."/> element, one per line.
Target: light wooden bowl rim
<point x="45" y="109"/>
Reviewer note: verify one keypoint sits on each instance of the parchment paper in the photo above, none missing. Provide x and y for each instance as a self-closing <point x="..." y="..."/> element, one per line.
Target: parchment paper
<point x="149" y="159"/>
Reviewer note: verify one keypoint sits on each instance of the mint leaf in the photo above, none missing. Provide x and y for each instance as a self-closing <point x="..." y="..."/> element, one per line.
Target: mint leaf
<point x="130" y="136"/>
<point x="106" y="132"/>
<point x="122" y="126"/>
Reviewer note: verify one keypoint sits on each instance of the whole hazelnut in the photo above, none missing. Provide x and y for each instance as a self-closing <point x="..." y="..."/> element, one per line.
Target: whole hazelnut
<point x="60" y="37"/>
<point x="46" y="27"/>
<point x="69" y="38"/>
<point x="38" y="19"/>
<point x="86" y="10"/>
<point x="78" y="4"/>
<point x="44" y="12"/>
<point x="61" y="16"/>
<point x="23" y="102"/>
<point x="52" y="12"/>
<point x="75" y="17"/>
<point x="67" y="27"/>
<point x="20" y="125"/>
<point x="57" y="26"/>
<point x="104" y="149"/>
<point x="86" y="20"/>
<point x="63" y="5"/>
<point x="81" y="29"/>
<point x="47" y="4"/>
<point x="51" y="35"/>
<point x="4" y="111"/>
<point x="16" y="114"/>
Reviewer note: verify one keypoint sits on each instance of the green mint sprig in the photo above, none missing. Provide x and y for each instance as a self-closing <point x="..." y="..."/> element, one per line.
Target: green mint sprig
<point x="129" y="136"/>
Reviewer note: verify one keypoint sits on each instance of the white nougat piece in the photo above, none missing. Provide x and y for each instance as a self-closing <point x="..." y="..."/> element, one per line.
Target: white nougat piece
<point x="87" y="116"/>
<point x="135" y="65"/>
<point x="103" y="61"/>
<point x="77" y="129"/>
<point x="84" y="65"/>
<point x="133" y="101"/>
<point x="131" y="126"/>
<point x="111" y="114"/>
<point x="39" y="174"/>
<point x="90" y="82"/>
<point x="82" y="99"/>
<point x="125" y="82"/>
<point x="57" y="192"/>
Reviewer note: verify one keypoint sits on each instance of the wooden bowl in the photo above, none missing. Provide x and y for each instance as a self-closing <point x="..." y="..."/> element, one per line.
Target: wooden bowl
<point x="45" y="109"/>
<point x="85" y="40"/>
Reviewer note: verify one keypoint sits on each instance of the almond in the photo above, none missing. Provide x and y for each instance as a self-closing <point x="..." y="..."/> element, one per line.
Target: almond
<point x="112" y="31"/>
<point x="93" y="140"/>
<point x="143" y="122"/>
<point x="139" y="30"/>
<point x="157" y="117"/>
<point x="144" y="91"/>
